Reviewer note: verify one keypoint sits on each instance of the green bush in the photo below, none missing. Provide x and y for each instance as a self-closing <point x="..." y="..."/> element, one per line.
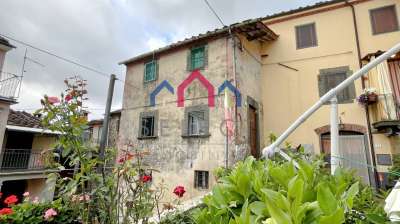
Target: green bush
<point x="271" y="192"/>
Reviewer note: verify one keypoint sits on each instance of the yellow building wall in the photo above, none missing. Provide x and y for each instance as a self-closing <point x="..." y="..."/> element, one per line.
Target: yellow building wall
<point x="43" y="142"/>
<point x="298" y="90"/>
<point x="288" y="93"/>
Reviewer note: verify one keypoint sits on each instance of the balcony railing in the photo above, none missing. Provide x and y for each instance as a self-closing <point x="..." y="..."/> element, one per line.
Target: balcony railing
<point x="9" y="84"/>
<point x="21" y="159"/>
<point x="385" y="109"/>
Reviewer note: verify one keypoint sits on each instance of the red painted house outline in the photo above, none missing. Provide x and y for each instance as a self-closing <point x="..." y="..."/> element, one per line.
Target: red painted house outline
<point x="195" y="75"/>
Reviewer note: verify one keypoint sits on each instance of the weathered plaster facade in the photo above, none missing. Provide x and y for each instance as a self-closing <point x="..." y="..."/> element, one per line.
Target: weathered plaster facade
<point x="175" y="156"/>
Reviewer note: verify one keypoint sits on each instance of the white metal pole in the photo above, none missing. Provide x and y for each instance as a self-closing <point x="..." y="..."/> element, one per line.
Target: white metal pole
<point x="271" y="149"/>
<point x="335" y="162"/>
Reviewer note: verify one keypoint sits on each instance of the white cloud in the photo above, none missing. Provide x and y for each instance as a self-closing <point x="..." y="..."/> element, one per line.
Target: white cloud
<point x="104" y="32"/>
<point x="154" y="43"/>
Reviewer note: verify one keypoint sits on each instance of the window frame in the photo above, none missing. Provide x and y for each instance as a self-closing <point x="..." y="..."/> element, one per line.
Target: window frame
<point x="190" y="57"/>
<point x="206" y="182"/>
<point x="155" y="63"/>
<point x="185" y="126"/>
<point x="373" y="28"/>
<point x="331" y="71"/>
<point x="297" y="35"/>
<point x="144" y="115"/>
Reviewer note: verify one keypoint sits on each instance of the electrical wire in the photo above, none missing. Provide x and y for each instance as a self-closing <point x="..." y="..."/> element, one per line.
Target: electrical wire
<point x="215" y="13"/>
<point x="57" y="56"/>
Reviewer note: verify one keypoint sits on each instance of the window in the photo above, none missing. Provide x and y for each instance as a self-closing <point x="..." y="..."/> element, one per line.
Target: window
<point x="150" y="71"/>
<point x="148" y="124"/>
<point x="384" y="20"/>
<point x="306" y="36"/>
<point x="201" y="179"/>
<point x="196" y="121"/>
<point x="330" y="78"/>
<point x="197" y="58"/>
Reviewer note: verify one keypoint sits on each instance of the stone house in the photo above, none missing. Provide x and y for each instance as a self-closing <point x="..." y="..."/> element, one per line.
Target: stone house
<point x="95" y="129"/>
<point x="281" y="64"/>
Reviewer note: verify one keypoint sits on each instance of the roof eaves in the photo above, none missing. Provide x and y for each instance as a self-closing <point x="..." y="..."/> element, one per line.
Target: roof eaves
<point x="301" y="9"/>
<point x="209" y="34"/>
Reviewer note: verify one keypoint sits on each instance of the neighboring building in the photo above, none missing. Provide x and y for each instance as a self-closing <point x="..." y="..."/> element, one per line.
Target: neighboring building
<point x="25" y="156"/>
<point x="281" y="65"/>
<point x="95" y="129"/>
<point x="25" y="145"/>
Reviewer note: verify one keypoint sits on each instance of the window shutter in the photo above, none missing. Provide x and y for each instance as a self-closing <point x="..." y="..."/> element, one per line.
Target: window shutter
<point x="205" y="56"/>
<point x="322" y="87"/>
<point x="157" y="70"/>
<point x="189" y="60"/>
<point x="351" y="87"/>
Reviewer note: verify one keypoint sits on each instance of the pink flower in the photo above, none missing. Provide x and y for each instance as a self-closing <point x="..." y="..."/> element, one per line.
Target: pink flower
<point x="84" y="197"/>
<point x="26" y="194"/>
<point x="36" y="200"/>
<point x="53" y="99"/>
<point x="50" y="213"/>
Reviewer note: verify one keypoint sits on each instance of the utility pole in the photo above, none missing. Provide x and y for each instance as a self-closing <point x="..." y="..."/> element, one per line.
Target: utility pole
<point x="104" y="129"/>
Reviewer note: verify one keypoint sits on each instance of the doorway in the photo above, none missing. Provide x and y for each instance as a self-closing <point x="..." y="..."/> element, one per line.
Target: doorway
<point x="254" y="135"/>
<point x="353" y="150"/>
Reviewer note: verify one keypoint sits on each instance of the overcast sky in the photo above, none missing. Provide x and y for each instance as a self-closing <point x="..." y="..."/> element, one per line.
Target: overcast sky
<point x="101" y="33"/>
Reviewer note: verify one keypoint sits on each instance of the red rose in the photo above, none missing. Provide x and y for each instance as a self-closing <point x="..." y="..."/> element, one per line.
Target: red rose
<point x="68" y="98"/>
<point x="179" y="191"/>
<point x="10" y="200"/>
<point x="146" y="178"/>
<point x="1" y="194"/>
<point x="6" y="211"/>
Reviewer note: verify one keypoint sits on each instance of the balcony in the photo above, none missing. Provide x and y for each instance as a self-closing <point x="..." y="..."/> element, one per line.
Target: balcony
<point x="385" y="115"/>
<point x="9" y="84"/>
<point x="14" y="160"/>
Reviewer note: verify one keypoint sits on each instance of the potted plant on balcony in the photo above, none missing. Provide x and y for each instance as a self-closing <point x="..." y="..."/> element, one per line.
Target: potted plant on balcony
<point x="368" y="97"/>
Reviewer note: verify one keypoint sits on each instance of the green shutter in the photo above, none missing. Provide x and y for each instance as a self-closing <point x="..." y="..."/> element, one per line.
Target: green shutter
<point x="189" y="60"/>
<point x="352" y="88"/>
<point x="157" y="70"/>
<point x="322" y="87"/>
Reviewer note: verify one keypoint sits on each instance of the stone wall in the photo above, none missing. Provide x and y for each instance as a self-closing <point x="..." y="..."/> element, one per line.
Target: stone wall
<point x="173" y="156"/>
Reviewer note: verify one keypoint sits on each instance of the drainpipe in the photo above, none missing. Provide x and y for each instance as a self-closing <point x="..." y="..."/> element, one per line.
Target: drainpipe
<point x="369" y="130"/>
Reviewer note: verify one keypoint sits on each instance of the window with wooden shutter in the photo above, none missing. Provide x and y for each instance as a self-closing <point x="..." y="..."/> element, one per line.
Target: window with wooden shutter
<point x="201" y="179"/>
<point x="197" y="58"/>
<point x="150" y="71"/>
<point x="306" y="36"/>
<point x="331" y="77"/>
<point x="384" y="19"/>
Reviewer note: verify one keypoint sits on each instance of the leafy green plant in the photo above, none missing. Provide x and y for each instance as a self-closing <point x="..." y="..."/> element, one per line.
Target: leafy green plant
<point x="278" y="193"/>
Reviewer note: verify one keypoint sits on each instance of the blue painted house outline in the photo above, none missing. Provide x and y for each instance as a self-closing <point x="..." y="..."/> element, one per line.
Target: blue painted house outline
<point x="157" y="90"/>
<point x="232" y="88"/>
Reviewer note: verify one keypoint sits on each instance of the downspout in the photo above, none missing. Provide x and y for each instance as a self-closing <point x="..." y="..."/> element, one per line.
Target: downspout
<point x="369" y="130"/>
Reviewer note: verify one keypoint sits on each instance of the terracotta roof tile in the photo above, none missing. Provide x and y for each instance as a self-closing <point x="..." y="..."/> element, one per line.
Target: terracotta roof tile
<point x="23" y="119"/>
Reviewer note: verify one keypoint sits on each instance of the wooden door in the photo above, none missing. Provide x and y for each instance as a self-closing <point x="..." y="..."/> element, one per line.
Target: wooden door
<point x="253" y="137"/>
